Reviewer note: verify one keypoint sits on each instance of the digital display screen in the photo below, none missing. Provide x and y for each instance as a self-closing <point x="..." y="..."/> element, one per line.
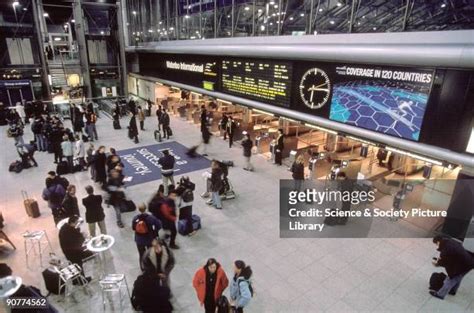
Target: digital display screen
<point x="384" y="99"/>
<point x="260" y="80"/>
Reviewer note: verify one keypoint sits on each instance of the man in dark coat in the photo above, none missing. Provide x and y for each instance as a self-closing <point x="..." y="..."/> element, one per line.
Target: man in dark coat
<point x="159" y="260"/>
<point x="149" y="295"/>
<point x="71" y="241"/>
<point x="94" y="211"/>
<point x="133" y="129"/>
<point x="247" y="145"/>
<point x="279" y="147"/>
<point x="203" y="118"/>
<point x="456" y="260"/>
<point x="100" y="163"/>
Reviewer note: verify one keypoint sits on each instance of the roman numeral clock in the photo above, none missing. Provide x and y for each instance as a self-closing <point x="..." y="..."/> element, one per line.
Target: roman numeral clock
<point x="315" y="88"/>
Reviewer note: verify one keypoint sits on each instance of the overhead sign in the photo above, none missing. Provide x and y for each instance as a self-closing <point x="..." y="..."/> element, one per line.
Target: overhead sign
<point x="256" y="79"/>
<point x="141" y="163"/>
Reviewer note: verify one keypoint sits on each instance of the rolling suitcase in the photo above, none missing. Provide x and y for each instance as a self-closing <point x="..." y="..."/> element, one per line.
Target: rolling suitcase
<point x="31" y="205"/>
<point x="158" y="135"/>
<point x="16" y="167"/>
<point x="182" y="227"/>
<point x="116" y="124"/>
<point x="196" y="222"/>
<point x="437" y="280"/>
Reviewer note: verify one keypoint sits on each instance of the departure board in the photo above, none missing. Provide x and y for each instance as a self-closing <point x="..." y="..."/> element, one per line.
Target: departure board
<point x="260" y="80"/>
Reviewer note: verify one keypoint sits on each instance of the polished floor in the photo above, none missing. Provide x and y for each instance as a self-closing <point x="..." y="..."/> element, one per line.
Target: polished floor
<point x="290" y="275"/>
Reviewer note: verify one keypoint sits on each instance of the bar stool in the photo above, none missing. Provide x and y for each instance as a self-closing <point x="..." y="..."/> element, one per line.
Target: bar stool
<point x="36" y="242"/>
<point x="113" y="283"/>
<point x="68" y="275"/>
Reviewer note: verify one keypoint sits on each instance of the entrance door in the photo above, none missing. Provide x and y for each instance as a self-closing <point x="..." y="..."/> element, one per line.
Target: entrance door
<point x="14" y="96"/>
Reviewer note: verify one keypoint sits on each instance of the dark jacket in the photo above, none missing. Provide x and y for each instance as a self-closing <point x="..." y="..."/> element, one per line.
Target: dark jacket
<point x="71" y="240"/>
<point x="165" y="264"/>
<point x="133" y="126"/>
<point x="280" y="143"/>
<point x="99" y="163"/>
<point x="37" y="127"/>
<point x="216" y="179"/>
<point x="153" y="224"/>
<point x="454" y="258"/>
<point x="167" y="165"/>
<point x="247" y="144"/>
<point x="206" y="135"/>
<point x="54" y="194"/>
<point x="70" y="206"/>
<point x="149" y="296"/>
<point x="155" y="205"/>
<point x="298" y="171"/>
<point x="203" y="120"/>
<point x="94" y="210"/>
<point x="114" y="188"/>
<point x="165" y="119"/>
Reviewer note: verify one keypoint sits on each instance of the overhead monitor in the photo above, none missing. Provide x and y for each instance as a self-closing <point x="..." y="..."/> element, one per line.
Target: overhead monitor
<point x="257" y="79"/>
<point x="388" y="100"/>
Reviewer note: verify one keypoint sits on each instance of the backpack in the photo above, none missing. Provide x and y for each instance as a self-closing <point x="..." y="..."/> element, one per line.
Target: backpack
<point x="188" y="195"/>
<point x="141" y="226"/>
<point x="222" y="304"/>
<point x="165" y="119"/>
<point x="250" y="286"/>
<point x="93" y="118"/>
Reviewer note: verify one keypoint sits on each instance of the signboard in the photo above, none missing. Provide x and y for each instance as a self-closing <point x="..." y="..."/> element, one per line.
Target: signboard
<point x="390" y="100"/>
<point x="195" y="70"/>
<point x="141" y="163"/>
<point x="260" y="80"/>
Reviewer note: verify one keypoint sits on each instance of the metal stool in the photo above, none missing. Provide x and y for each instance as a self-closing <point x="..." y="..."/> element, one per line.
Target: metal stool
<point x="68" y="275"/>
<point x="36" y="242"/>
<point x="112" y="283"/>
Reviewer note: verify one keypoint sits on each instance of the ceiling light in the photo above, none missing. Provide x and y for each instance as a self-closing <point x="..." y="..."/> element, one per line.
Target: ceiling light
<point x="443" y="5"/>
<point x="160" y="23"/>
<point x="228" y="16"/>
<point x="276" y="6"/>
<point x="171" y="28"/>
<point x="73" y="21"/>
<point x="291" y="18"/>
<point x="272" y="2"/>
<point x="102" y="32"/>
<point x="375" y="28"/>
<point x="331" y="22"/>
<point x="302" y="14"/>
<point x="262" y="28"/>
<point x="15" y="3"/>
<point x="339" y="4"/>
<point x="271" y="24"/>
<point x="247" y="8"/>
<point x="134" y="12"/>
<point x="321" y="10"/>
<point x="259" y="10"/>
<point x="186" y="16"/>
<point x="57" y="39"/>
<point x="45" y="14"/>
<point x="25" y="9"/>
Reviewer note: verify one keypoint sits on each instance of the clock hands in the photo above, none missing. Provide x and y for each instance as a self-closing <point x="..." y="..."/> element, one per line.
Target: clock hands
<point x="316" y="88"/>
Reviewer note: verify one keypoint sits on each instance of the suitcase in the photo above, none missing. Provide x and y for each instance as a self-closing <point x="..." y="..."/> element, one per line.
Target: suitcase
<point x="170" y="132"/>
<point x="196" y="222"/>
<point x="129" y="206"/>
<point x="85" y="138"/>
<point x="61" y="169"/>
<point x="52" y="279"/>
<point x="16" y="167"/>
<point x="31" y="205"/>
<point x="182" y="227"/>
<point x="116" y="124"/>
<point x="77" y="168"/>
<point x="437" y="280"/>
<point x="158" y="135"/>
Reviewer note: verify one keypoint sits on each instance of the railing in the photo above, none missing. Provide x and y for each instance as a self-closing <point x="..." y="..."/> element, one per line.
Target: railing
<point x="163" y="20"/>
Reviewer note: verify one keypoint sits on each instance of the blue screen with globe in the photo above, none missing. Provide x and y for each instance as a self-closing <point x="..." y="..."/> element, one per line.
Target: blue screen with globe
<point x="393" y="108"/>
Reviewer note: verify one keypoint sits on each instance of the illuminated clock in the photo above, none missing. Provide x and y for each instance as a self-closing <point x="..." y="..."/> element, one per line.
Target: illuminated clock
<point x="315" y="88"/>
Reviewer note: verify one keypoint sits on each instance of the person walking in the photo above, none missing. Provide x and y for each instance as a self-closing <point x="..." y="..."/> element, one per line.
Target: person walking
<point x="185" y="192"/>
<point x="456" y="260"/>
<point x="91" y="120"/>
<point x="141" y="118"/>
<point x="159" y="260"/>
<point x="16" y="132"/>
<point x="67" y="150"/>
<point x="94" y="212"/>
<point x="78" y="121"/>
<point x="20" y="109"/>
<point x="70" y="205"/>
<point x="241" y="290"/>
<point x="154" y="206"/>
<point x="149" y="295"/>
<point x="216" y="184"/>
<point x="279" y="147"/>
<point x="79" y="152"/>
<point x="230" y="128"/>
<point x="247" y="145"/>
<point x="26" y="153"/>
<point x="165" y="124"/>
<point x="167" y="215"/>
<point x="223" y="124"/>
<point x="146" y="228"/>
<point x="167" y="162"/>
<point x="206" y="137"/>
<point x="159" y="113"/>
<point x="57" y="133"/>
<point x="297" y="168"/>
<point x="203" y="118"/>
<point x="90" y="159"/>
<point x="132" y="128"/>
<point x="116" y="195"/>
<point x="210" y="281"/>
<point x="99" y="163"/>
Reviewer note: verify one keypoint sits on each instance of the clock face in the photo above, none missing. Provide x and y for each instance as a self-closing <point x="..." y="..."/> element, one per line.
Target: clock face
<point x="315" y="88"/>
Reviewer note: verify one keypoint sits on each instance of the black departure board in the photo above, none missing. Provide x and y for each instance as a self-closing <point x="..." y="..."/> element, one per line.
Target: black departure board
<point x="260" y="80"/>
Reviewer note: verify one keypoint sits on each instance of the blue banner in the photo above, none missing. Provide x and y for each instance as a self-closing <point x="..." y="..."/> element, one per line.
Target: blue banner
<point x="141" y="163"/>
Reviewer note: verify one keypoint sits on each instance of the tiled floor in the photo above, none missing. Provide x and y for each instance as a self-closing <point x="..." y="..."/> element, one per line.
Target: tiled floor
<point x="290" y="275"/>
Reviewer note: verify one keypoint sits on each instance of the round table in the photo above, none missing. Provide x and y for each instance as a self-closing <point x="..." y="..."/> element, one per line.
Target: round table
<point x="9" y="285"/>
<point x="100" y="244"/>
<point x="65" y="220"/>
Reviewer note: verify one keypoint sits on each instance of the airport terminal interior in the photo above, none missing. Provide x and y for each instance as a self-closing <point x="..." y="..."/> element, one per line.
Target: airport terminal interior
<point x="198" y="122"/>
